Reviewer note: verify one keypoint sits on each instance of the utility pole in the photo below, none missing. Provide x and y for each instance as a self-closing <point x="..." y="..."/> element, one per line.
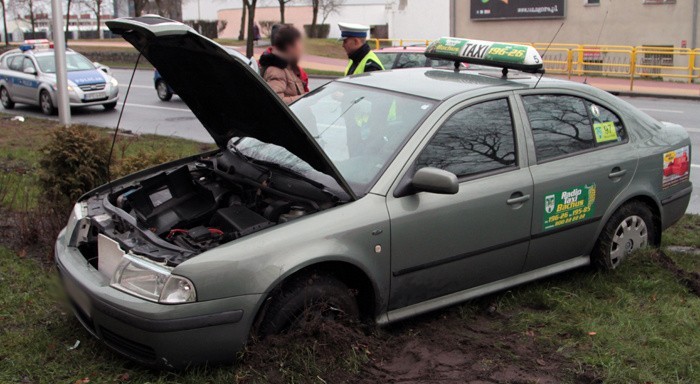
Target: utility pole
<point x="59" y="49"/>
<point x="694" y="28"/>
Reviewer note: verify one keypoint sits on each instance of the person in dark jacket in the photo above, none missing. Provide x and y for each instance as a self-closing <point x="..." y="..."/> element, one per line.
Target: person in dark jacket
<point x="362" y="59"/>
<point x="279" y="64"/>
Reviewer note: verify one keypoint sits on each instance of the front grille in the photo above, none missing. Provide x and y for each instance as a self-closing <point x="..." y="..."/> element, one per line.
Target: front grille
<point x="92" y="87"/>
<point x="128" y="347"/>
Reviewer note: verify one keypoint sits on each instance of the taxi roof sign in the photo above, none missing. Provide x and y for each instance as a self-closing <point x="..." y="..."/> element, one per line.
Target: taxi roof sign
<point x="502" y="55"/>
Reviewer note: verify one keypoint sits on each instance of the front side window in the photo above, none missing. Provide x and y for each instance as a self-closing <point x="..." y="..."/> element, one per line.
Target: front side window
<point x="475" y="140"/>
<point x="411" y="60"/>
<point x="387" y="59"/>
<point x="560" y="125"/>
<point x="27" y="64"/>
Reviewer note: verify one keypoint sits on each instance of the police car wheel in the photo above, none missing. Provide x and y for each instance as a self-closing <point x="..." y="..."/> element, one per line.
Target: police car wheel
<point x="46" y="104"/>
<point x="109" y="106"/>
<point x="5" y="99"/>
<point x="162" y="89"/>
<point x="630" y="228"/>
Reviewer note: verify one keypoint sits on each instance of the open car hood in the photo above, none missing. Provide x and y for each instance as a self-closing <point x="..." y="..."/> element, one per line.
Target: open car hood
<point x="228" y="97"/>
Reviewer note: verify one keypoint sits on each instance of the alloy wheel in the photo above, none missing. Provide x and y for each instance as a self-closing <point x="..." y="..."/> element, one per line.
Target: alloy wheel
<point x="630" y="235"/>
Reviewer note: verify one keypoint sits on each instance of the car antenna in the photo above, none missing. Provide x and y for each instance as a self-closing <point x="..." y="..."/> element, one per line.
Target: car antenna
<point x="544" y="53"/>
<point x="600" y="33"/>
<point x="119" y="120"/>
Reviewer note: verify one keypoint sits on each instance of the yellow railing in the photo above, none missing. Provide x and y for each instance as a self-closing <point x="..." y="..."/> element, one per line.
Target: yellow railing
<point x="621" y="61"/>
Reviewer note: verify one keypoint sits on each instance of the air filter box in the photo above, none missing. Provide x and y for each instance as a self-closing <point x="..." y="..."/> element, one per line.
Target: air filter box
<point x="238" y="221"/>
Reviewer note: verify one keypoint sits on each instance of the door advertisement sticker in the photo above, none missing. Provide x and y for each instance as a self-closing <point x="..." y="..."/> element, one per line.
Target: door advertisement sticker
<point x="569" y="206"/>
<point x="676" y="167"/>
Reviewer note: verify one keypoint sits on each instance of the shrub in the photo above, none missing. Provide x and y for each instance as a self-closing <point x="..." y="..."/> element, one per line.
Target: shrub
<point x="73" y="162"/>
<point x="141" y="160"/>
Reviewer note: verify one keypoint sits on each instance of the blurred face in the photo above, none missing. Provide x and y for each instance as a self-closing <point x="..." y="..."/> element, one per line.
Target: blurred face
<point x="351" y="44"/>
<point x="295" y="51"/>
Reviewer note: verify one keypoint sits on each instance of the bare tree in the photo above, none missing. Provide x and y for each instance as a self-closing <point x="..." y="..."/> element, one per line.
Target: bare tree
<point x="95" y="6"/>
<point x="283" y="3"/>
<point x="139" y="6"/>
<point x="68" y="5"/>
<point x="31" y="7"/>
<point x="4" y="21"/>
<point x="329" y="7"/>
<point x="250" y="4"/>
<point x="244" y="8"/>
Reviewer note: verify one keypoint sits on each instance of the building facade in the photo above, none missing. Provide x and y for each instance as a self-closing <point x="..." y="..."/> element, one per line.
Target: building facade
<point x="619" y="22"/>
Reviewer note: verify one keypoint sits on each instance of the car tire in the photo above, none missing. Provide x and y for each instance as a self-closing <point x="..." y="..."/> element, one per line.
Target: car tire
<point x="630" y="228"/>
<point x="319" y="294"/>
<point x="5" y="99"/>
<point x="46" y="104"/>
<point x="109" y="106"/>
<point x="162" y="90"/>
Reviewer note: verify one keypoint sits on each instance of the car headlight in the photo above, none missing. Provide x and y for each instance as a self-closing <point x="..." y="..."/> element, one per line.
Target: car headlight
<point x="152" y="282"/>
<point x="114" y="82"/>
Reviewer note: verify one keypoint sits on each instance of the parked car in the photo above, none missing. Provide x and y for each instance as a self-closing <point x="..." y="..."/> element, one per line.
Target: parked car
<point x="28" y="76"/>
<point x="165" y="93"/>
<point x="380" y="196"/>
<point x="414" y="57"/>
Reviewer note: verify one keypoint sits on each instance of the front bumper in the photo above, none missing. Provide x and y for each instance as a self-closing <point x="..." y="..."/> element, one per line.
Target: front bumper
<point x="168" y="336"/>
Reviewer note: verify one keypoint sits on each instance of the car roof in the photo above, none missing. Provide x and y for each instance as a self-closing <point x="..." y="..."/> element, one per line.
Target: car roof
<point x="441" y="84"/>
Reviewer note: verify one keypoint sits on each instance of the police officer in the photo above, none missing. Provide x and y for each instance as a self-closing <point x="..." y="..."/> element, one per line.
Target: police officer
<point x="362" y="59"/>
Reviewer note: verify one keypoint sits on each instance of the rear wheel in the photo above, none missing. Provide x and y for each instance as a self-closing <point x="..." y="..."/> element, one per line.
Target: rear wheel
<point x="5" y="99"/>
<point x="630" y="228"/>
<point x="306" y="298"/>
<point x="46" y="104"/>
<point x="163" y="92"/>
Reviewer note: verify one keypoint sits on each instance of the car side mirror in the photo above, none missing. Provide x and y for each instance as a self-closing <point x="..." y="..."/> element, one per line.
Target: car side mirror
<point x="435" y="180"/>
<point x="30" y="71"/>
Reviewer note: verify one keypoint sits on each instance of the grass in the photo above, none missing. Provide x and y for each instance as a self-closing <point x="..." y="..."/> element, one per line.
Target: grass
<point x="635" y="324"/>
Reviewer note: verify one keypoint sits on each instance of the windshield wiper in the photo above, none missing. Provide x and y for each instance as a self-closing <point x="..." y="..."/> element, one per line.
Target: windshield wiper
<point x="352" y="104"/>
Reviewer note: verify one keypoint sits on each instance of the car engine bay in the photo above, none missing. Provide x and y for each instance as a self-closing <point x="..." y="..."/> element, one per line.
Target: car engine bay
<point x="181" y="212"/>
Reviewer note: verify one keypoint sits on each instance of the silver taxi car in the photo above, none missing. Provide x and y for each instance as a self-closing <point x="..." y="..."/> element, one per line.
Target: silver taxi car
<point x="28" y="76"/>
<point x="380" y="196"/>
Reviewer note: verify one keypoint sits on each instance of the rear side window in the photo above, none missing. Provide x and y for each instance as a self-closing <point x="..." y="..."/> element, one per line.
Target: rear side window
<point x="563" y="125"/>
<point x="560" y="125"/>
<point x="387" y="59"/>
<point x="411" y="60"/>
<point x="15" y="63"/>
<point x="475" y="140"/>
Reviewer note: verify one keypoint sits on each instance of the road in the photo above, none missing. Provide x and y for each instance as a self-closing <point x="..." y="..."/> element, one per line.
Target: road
<point x="144" y="113"/>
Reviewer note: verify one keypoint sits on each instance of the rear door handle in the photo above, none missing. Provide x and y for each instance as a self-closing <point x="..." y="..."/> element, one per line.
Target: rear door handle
<point x="517" y="198"/>
<point x="617" y="173"/>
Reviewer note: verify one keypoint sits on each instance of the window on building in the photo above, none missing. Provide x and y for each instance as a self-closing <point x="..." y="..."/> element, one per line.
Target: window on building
<point x="592" y="2"/>
<point x="560" y="125"/>
<point x="659" y="1"/>
<point x="475" y="140"/>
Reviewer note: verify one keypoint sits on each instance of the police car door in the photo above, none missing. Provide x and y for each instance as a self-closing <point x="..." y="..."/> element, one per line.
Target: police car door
<point x="443" y="244"/>
<point x="26" y="84"/>
<point x="580" y="161"/>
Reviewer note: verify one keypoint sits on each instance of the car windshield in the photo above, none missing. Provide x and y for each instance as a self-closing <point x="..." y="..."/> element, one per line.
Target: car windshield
<point x="360" y="128"/>
<point x="74" y="62"/>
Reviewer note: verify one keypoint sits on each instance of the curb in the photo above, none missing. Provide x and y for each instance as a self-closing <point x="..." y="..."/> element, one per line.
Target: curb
<point x="655" y="95"/>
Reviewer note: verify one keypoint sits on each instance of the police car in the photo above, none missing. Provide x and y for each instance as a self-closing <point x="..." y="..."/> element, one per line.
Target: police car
<point x="28" y="76"/>
<point x="380" y="196"/>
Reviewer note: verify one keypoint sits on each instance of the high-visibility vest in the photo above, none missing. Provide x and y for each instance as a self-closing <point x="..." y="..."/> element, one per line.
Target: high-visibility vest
<point x="361" y="67"/>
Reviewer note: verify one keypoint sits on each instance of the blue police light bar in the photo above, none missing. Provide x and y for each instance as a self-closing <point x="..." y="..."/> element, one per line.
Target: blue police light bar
<point x="502" y="55"/>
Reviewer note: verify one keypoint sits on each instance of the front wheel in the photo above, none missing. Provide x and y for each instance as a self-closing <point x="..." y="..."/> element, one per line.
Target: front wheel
<point x="630" y="228"/>
<point x="46" y="104"/>
<point x="310" y="296"/>
<point x="163" y="92"/>
<point x="5" y="99"/>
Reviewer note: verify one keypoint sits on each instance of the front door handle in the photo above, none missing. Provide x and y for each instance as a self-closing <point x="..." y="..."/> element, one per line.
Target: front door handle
<point x="517" y="198"/>
<point x="617" y="173"/>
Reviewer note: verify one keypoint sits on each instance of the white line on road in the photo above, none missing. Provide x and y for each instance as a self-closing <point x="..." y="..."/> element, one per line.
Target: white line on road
<point x="695" y="165"/>
<point x="157" y="107"/>
<point x="661" y="110"/>
<point x="697" y="130"/>
<point x="136" y="86"/>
